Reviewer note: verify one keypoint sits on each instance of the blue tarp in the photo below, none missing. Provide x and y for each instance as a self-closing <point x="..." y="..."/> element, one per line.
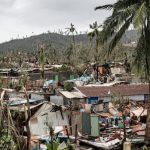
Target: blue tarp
<point x="82" y="78"/>
<point x="49" y="82"/>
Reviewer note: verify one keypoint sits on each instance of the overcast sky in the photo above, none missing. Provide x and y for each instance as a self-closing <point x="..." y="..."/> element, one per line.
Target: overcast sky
<point x="19" y="18"/>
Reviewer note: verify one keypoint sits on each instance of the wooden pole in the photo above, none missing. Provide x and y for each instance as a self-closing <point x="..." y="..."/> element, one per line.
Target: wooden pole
<point x="76" y="133"/>
<point x="27" y="121"/>
<point x="67" y="131"/>
<point x="126" y="146"/>
<point x="70" y="118"/>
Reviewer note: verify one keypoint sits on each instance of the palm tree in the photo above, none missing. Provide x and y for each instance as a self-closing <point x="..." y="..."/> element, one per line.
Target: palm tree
<point x="71" y="50"/>
<point x="72" y="30"/>
<point x="42" y="60"/>
<point x="124" y="14"/>
<point x="95" y="34"/>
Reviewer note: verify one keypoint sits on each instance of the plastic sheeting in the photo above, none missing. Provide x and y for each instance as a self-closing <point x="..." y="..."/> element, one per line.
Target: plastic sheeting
<point x="58" y="100"/>
<point x="139" y="111"/>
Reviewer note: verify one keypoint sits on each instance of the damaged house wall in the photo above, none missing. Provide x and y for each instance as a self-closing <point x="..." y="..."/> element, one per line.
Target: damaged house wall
<point x="43" y="118"/>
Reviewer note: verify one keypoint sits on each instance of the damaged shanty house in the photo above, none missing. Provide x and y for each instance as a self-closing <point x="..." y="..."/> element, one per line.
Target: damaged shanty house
<point x="106" y="127"/>
<point x="134" y="92"/>
<point x="73" y="98"/>
<point x="44" y="115"/>
<point x="112" y="71"/>
<point x="49" y="115"/>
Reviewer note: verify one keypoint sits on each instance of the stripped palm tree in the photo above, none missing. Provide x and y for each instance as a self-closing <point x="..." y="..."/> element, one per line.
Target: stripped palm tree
<point x="72" y="30"/>
<point x="42" y="60"/>
<point x="124" y="14"/>
<point x="95" y="34"/>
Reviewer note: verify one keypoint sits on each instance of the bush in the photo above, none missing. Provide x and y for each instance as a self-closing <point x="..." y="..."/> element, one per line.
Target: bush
<point x="68" y="86"/>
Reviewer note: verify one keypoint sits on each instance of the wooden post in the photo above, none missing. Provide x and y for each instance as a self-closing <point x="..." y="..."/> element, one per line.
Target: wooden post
<point x="127" y="146"/>
<point x="97" y="72"/>
<point x="76" y="133"/>
<point x="70" y="117"/>
<point x="67" y="131"/>
<point x="27" y="120"/>
<point x="38" y="145"/>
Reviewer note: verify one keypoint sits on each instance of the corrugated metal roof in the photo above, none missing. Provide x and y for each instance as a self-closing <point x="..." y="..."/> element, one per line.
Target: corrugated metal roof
<point x="73" y="94"/>
<point x="45" y="108"/>
<point x="20" y="101"/>
<point x="124" y="90"/>
<point x="22" y="108"/>
<point x="106" y="84"/>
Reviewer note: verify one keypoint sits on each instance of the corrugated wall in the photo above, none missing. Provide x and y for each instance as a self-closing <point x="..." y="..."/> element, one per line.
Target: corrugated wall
<point x="94" y="125"/>
<point x="86" y="123"/>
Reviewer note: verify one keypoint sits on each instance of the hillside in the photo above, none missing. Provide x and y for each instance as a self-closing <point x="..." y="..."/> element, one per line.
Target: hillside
<point x="29" y="44"/>
<point x="57" y="40"/>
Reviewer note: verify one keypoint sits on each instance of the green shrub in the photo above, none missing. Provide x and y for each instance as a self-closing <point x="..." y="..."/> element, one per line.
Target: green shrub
<point x="68" y="86"/>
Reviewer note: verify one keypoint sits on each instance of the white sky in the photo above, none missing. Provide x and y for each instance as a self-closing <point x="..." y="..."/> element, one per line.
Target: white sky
<point x="29" y="17"/>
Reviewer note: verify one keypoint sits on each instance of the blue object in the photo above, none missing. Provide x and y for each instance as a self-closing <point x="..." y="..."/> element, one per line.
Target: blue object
<point x="145" y="97"/>
<point x="93" y="100"/>
<point x="49" y="82"/>
<point x="82" y="78"/>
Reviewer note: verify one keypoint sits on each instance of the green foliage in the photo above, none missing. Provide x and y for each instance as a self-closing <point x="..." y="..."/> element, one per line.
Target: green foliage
<point x="70" y="146"/>
<point x="65" y="68"/>
<point x="68" y="86"/>
<point x="71" y="30"/>
<point x="58" y="48"/>
<point x="7" y="142"/>
<point x="95" y="34"/>
<point x="10" y="85"/>
<point x="1" y="84"/>
<point x="59" y="42"/>
<point x="42" y="59"/>
<point x="139" y="16"/>
<point x="52" y="146"/>
<point x="55" y="144"/>
<point x="124" y="14"/>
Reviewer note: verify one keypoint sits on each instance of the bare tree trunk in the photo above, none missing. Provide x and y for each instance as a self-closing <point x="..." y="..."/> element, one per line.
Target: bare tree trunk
<point x="97" y="71"/>
<point x="27" y="121"/>
<point x="15" y="131"/>
<point x="70" y="118"/>
<point x="42" y="72"/>
<point x="1" y="105"/>
<point x="76" y="133"/>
